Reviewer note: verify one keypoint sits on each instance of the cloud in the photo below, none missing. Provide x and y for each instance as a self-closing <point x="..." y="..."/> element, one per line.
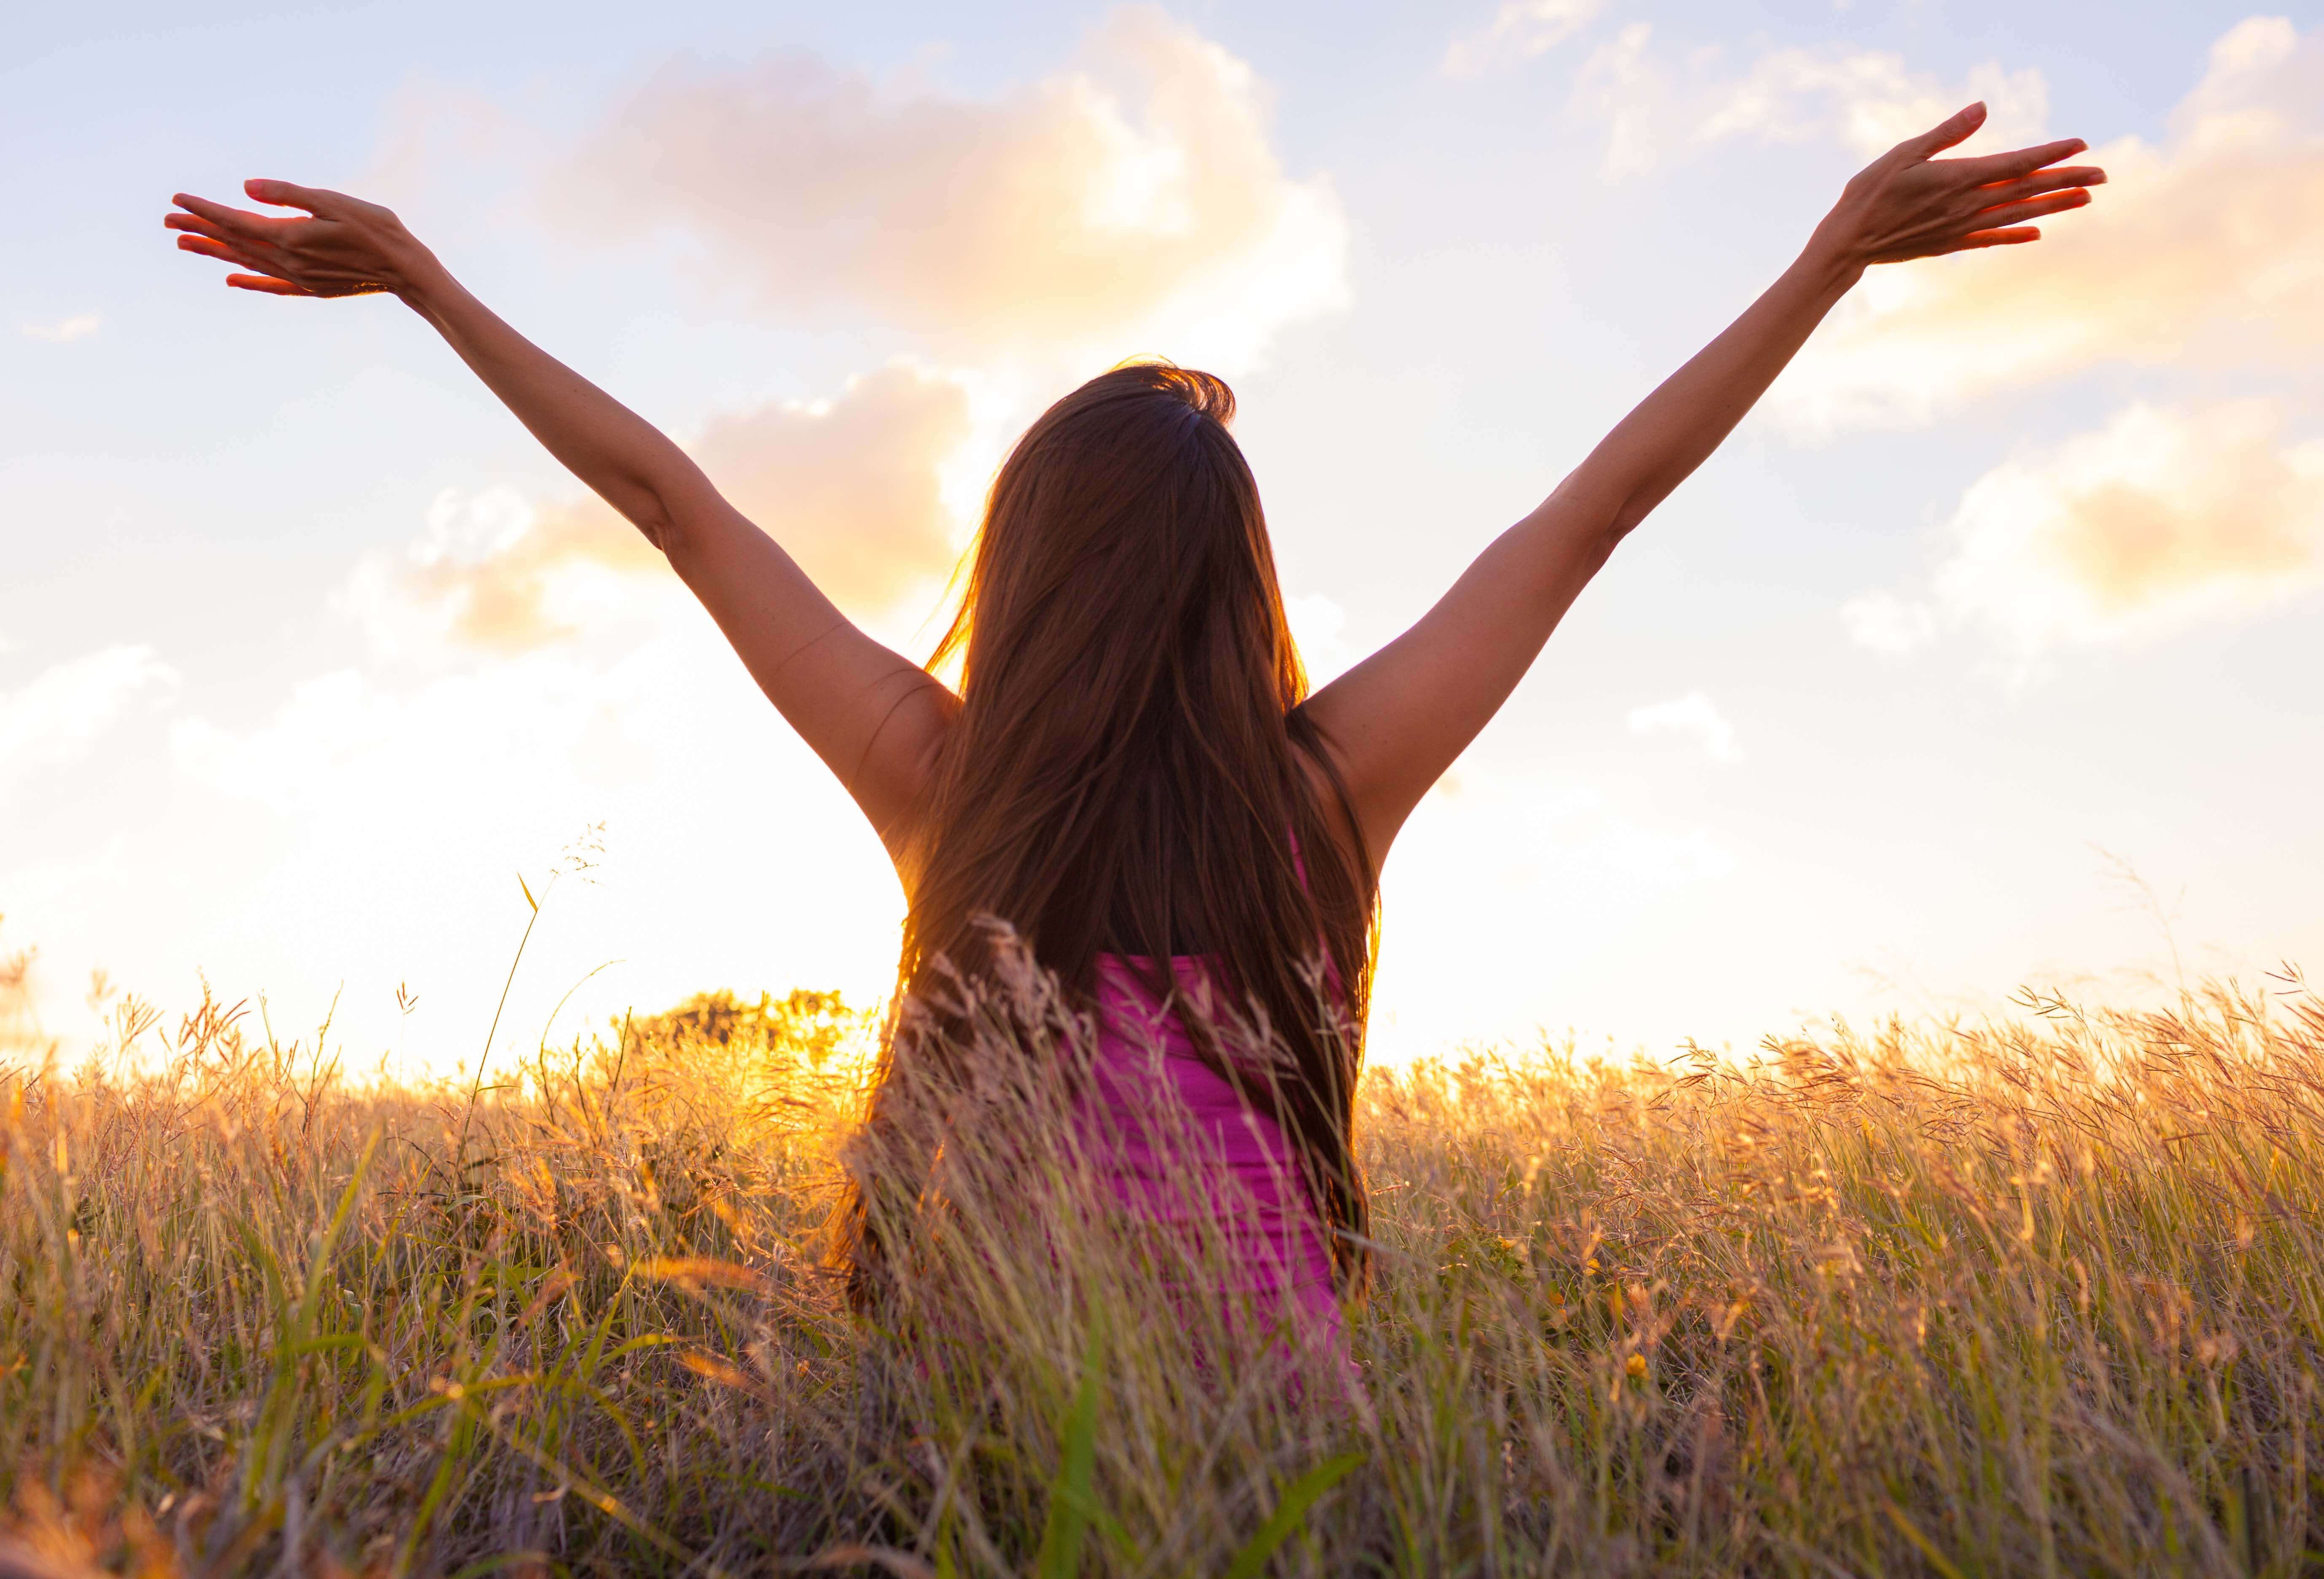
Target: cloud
<point x="1519" y="31"/>
<point x="497" y="571"/>
<point x="1132" y="203"/>
<point x="1653" y="110"/>
<point x="1868" y="102"/>
<point x="1886" y="623"/>
<point x="853" y="487"/>
<point x="2162" y="518"/>
<point x="1690" y="715"/>
<point x="65" y="329"/>
<point x="2206" y="251"/>
<point x="57" y="714"/>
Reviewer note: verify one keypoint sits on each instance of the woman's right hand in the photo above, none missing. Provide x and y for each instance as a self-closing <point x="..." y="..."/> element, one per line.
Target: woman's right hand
<point x="1910" y="204"/>
<point x="345" y="246"/>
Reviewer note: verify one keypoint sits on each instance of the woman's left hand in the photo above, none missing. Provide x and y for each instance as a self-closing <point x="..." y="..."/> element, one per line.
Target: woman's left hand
<point x="342" y="246"/>
<point x="1910" y="204"/>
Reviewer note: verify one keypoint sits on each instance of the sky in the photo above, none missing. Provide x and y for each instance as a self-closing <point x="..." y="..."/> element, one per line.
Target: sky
<point x="1984" y="655"/>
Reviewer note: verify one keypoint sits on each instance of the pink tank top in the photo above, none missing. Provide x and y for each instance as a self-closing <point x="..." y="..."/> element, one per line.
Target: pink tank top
<point x="1216" y="1166"/>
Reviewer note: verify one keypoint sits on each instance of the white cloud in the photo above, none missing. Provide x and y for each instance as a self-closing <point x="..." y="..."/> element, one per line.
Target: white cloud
<point x="1520" y="30"/>
<point x="1886" y="623"/>
<point x="1624" y="90"/>
<point x="1868" y="102"/>
<point x="65" y="329"/>
<point x="1652" y="109"/>
<point x="2162" y="518"/>
<point x="2206" y="250"/>
<point x="1690" y="715"/>
<point x="1130" y="204"/>
<point x="59" y="714"/>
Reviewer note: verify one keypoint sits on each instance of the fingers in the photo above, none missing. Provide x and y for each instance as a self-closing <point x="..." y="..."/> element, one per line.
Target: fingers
<point x="239" y="221"/>
<point x="1954" y="128"/>
<point x="285" y="195"/>
<point x="2014" y="236"/>
<point x="268" y="251"/>
<point x="2017" y="161"/>
<point x="260" y="275"/>
<point x="2044" y="181"/>
<point x="201" y="226"/>
<point x="266" y="283"/>
<point x="223" y="252"/>
<point x="209" y="246"/>
<point x="2007" y="214"/>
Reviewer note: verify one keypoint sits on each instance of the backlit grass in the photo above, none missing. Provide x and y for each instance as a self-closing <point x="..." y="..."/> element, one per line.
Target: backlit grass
<point x="2043" y="1297"/>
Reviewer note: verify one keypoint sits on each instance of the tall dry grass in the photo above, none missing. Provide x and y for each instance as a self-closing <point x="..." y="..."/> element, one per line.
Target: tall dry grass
<point x="2041" y="1297"/>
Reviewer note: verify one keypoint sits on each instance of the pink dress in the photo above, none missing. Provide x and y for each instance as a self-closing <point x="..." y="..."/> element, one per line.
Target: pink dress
<point x="1207" y="1164"/>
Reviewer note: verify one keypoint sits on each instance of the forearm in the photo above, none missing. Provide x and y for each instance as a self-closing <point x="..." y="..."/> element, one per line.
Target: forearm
<point x="1675" y="429"/>
<point x="630" y="464"/>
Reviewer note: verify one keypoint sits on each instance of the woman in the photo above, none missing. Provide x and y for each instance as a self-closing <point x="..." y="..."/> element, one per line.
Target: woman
<point x="1131" y="774"/>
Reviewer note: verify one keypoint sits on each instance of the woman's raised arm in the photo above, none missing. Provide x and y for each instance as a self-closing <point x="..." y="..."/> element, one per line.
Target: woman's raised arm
<point x="873" y="715"/>
<point x="1397" y="720"/>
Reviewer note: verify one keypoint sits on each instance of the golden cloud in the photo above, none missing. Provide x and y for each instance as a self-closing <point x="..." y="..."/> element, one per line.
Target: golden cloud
<point x="2161" y="518"/>
<point x="2208" y="250"/>
<point x="1135" y="197"/>
<point x="851" y="488"/>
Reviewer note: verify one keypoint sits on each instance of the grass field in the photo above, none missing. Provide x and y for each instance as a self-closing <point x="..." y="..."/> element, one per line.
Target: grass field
<point x="2044" y="1296"/>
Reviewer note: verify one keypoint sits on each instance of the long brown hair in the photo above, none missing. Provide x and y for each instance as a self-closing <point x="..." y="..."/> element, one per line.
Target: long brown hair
<point x="1130" y="772"/>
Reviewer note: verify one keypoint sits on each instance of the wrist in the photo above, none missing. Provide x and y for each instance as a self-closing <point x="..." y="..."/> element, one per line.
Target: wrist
<point x="420" y="279"/>
<point x="1832" y="260"/>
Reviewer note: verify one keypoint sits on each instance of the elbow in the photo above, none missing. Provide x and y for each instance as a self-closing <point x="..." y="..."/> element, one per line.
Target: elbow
<point x="1630" y="513"/>
<point x="656" y="524"/>
<point x="674" y="513"/>
<point x="1593" y="516"/>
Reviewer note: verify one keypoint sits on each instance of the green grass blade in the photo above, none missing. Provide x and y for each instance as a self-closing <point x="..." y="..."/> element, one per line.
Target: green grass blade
<point x="1288" y="1512"/>
<point x="1067" y="1524"/>
<point x="1928" y="1548"/>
